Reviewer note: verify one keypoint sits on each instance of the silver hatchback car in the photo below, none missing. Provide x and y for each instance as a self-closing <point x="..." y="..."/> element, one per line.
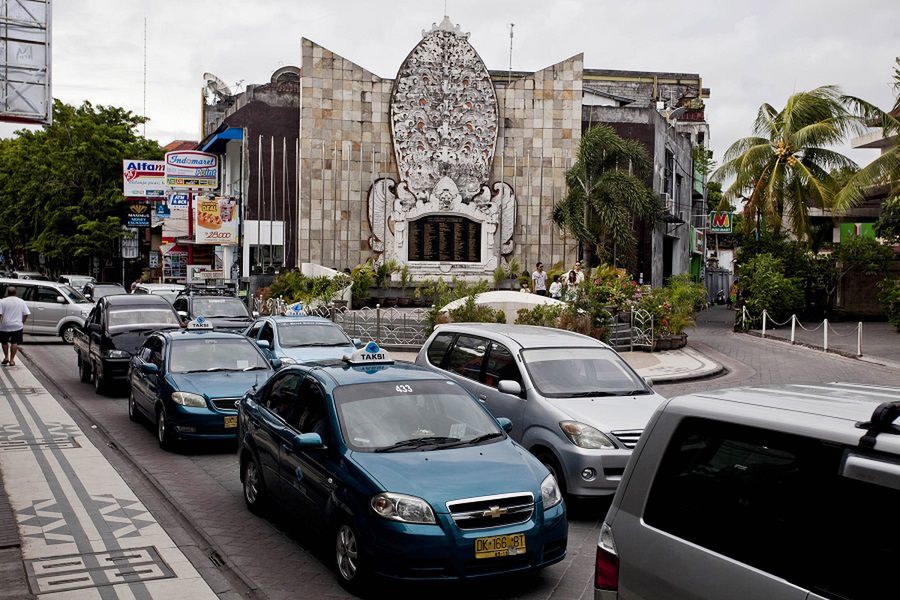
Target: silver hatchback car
<point x="573" y="402"/>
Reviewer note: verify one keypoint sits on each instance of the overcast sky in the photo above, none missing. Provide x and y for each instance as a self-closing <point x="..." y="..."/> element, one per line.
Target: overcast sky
<point x="747" y="52"/>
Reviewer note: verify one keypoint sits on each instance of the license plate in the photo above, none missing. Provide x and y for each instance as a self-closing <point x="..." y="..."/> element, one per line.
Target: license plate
<point x="500" y="545"/>
<point x="230" y="422"/>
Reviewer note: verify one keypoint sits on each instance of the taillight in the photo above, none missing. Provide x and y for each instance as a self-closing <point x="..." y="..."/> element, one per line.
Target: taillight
<point x="606" y="573"/>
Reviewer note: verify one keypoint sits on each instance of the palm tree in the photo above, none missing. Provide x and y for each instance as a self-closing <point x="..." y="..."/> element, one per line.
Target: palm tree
<point x="606" y="193"/>
<point x="784" y="169"/>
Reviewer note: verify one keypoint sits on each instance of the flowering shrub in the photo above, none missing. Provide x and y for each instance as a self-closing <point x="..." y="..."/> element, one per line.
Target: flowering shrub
<point x="674" y="305"/>
<point x="293" y="286"/>
<point x="543" y="315"/>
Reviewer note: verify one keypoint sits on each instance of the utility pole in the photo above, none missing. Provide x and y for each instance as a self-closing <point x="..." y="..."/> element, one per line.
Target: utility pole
<point x="145" y="77"/>
<point x="509" y="76"/>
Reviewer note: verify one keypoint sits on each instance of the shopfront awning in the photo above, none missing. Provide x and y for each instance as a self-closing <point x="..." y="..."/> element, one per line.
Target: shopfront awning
<point x="215" y="143"/>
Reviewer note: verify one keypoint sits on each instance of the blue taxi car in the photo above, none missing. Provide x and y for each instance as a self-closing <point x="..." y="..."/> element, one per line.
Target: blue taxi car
<point x="401" y="468"/>
<point x="187" y="382"/>
<point x="298" y="338"/>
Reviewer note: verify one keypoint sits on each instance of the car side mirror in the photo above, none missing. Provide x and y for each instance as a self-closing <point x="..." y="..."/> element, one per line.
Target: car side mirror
<point x="508" y="386"/>
<point x="307" y="440"/>
<point x="357" y="342"/>
<point x="264" y="344"/>
<point x="648" y="381"/>
<point x="255" y="313"/>
<point x="60" y="300"/>
<point x="149" y="369"/>
<point x="182" y="314"/>
<point x="276" y="363"/>
<point x="505" y="424"/>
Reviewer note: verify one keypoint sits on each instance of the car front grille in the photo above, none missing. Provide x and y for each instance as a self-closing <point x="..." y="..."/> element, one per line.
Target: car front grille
<point x="628" y="437"/>
<point x="224" y="403"/>
<point x="492" y="511"/>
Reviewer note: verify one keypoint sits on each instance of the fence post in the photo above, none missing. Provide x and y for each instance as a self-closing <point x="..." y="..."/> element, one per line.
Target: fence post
<point x="793" y="327"/>
<point x="764" y="323"/>
<point x="744" y="318"/>
<point x="859" y="340"/>
<point x="825" y="327"/>
<point x="378" y="323"/>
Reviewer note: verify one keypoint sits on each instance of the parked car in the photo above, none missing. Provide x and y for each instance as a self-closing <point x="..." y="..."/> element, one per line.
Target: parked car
<point x="115" y="330"/>
<point x="95" y="291"/>
<point x="573" y="401"/>
<point x="188" y="382"/>
<point x="783" y="492"/>
<point x="33" y="275"/>
<point x="301" y="339"/>
<point x="169" y="291"/>
<point x="406" y="473"/>
<point x="76" y="281"/>
<point x="226" y="311"/>
<point x="56" y="308"/>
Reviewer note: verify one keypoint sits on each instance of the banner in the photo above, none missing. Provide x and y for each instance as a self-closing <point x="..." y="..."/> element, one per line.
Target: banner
<point x="144" y="178"/>
<point x="721" y="221"/>
<point x="192" y="169"/>
<point x="130" y="243"/>
<point x="215" y="221"/>
<point x="138" y="215"/>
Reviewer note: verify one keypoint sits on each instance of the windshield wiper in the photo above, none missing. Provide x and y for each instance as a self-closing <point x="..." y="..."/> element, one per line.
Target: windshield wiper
<point x="416" y="442"/>
<point x="255" y="369"/>
<point x="594" y="393"/>
<point x="321" y="344"/>
<point x="473" y="441"/>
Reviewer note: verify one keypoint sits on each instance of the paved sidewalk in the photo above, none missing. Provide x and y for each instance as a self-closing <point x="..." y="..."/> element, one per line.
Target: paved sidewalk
<point x="662" y="367"/>
<point x="880" y="341"/>
<point x="84" y="533"/>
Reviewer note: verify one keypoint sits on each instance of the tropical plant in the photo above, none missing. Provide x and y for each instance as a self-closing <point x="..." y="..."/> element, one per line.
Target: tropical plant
<point x="785" y="168"/>
<point x="766" y="287"/>
<point x="363" y="276"/>
<point x="606" y="193"/>
<point x="888" y="224"/>
<point x="542" y="315"/>
<point x="471" y="312"/>
<point x="440" y="293"/>
<point x="890" y="300"/>
<point x="673" y="306"/>
<point x="292" y="286"/>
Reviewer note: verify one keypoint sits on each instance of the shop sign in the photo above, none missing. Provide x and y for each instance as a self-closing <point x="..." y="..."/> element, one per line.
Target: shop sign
<point x="192" y="169"/>
<point x="202" y="273"/>
<point x="216" y="221"/>
<point x="162" y="211"/>
<point x="144" y="178"/>
<point x="138" y="215"/>
<point x="178" y="200"/>
<point x="721" y="221"/>
<point x="130" y="243"/>
<point x="153" y="261"/>
<point x="698" y="240"/>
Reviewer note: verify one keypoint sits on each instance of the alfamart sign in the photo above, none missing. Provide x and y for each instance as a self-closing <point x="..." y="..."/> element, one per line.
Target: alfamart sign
<point x="144" y="178"/>
<point x="192" y="169"/>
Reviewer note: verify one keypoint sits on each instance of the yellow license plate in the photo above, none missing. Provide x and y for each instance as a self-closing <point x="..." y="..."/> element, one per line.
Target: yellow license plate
<point x="230" y="422"/>
<point x="500" y="545"/>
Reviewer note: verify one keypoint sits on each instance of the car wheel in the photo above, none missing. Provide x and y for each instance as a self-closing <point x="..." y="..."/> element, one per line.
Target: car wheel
<point x="348" y="558"/>
<point x="84" y="370"/>
<point x="254" y="487"/>
<point x="99" y="381"/>
<point x="68" y="334"/>
<point x="133" y="413"/>
<point x="163" y="431"/>
<point x="552" y="465"/>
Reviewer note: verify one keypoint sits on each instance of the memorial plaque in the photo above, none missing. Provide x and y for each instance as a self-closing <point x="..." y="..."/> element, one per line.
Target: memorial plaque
<point x="440" y="238"/>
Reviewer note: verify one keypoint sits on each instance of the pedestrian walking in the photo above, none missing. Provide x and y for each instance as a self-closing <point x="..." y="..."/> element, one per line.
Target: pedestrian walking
<point x="13" y="314"/>
<point x="732" y="295"/>
<point x="539" y="280"/>
<point x="579" y="274"/>
<point x="571" y="286"/>
<point x="556" y="288"/>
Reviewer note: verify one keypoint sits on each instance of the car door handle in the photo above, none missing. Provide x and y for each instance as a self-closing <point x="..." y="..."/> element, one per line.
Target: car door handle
<point x="287" y="448"/>
<point x="482" y="397"/>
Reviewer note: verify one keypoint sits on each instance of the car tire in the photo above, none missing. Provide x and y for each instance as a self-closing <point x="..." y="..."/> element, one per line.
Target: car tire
<point x="100" y="385"/>
<point x="133" y="413"/>
<point x="84" y="370"/>
<point x="163" y="431"/>
<point x="255" y="495"/>
<point x="554" y="467"/>
<point x="67" y="333"/>
<point x="348" y="564"/>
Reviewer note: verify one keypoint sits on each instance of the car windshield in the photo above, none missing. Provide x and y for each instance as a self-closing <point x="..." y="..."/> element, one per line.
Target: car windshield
<point x="168" y="295"/>
<point x="581" y="372"/>
<point x="411" y="415"/>
<point x="78" y="282"/>
<point x="143" y="317"/>
<point x="107" y="290"/>
<point x="293" y="335"/>
<point x="74" y="295"/>
<point x="215" y="354"/>
<point x="222" y="307"/>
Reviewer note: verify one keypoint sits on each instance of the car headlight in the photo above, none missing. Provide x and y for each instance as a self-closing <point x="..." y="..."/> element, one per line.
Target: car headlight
<point x="585" y="436"/>
<point x="286" y="360"/>
<point x="550" y="494"/>
<point x="400" y="507"/>
<point x="189" y="399"/>
<point x="117" y="354"/>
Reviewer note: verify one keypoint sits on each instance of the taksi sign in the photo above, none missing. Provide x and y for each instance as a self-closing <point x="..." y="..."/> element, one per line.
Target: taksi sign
<point x="216" y="221"/>
<point x="144" y="178"/>
<point x="138" y="215"/>
<point x="721" y="221"/>
<point x="192" y="169"/>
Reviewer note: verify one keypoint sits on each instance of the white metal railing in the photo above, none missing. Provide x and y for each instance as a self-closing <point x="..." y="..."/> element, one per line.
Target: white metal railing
<point x="825" y="326"/>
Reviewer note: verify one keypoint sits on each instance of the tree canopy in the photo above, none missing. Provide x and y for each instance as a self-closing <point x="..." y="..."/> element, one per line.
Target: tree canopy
<point x="61" y="186"/>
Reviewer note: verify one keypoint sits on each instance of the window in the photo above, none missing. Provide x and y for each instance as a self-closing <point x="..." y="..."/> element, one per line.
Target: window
<point x="180" y="305"/>
<point x="268" y="334"/>
<point x="778" y="502"/>
<point x="154" y="348"/>
<point x="294" y="335"/>
<point x="501" y="366"/>
<point x="467" y="356"/>
<point x="142" y="318"/>
<point x="584" y="372"/>
<point x="312" y="415"/>
<point x="254" y="331"/>
<point x="25" y="292"/>
<point x="438" y="348"/>
<point x="282" y="396"/>
<point x="47" y="294"/>
<point x="215" y="354"/>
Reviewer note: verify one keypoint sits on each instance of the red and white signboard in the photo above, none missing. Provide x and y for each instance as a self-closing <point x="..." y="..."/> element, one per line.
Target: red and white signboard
<point x="216" y="221"/>
<point x="144" y="178"/>
<point x="192" y="169"/>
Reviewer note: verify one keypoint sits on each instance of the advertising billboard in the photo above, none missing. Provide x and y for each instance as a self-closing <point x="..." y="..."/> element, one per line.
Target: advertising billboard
<point x="721" y="221"/>
<point x="144" y="178"/>
<point x="216" y="221"/>
<point x="192" y="169"/>
<point x="138" y="215"/>
<point x="25" y="93"/>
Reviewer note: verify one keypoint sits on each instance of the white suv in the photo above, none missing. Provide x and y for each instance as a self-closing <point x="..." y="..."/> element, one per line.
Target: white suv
<point x="56" y="308"/>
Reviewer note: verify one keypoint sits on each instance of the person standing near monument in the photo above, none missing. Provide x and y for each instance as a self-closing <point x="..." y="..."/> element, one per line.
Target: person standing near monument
<point x="539" y="280"/>
<point x="556" y="288"/>
<point x="13" y="314"/>
<point x="579" y="274"/>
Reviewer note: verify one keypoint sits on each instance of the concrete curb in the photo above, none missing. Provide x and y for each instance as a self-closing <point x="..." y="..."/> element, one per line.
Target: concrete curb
<point x="864" y="358"/>
<point x="709" y="370"/>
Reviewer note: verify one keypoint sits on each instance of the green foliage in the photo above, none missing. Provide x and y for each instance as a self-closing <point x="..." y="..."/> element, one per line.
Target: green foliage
<point x="542" y="315"/>
<point x="766" y="287"/>
<point x="864" y="254"/>
<point x="715" y="199"/>
<point x="470" y="312"/>
<point x="888" y="224"/>
<point x="363" y="276"/>
<point x="61" y="186"/>
<point x="383" y="272"/>
<point x="440" y="293"/>
<point x="293" y="286"/>
<point x="405" y="277"/>
<point x="703" y="160"/>
<point x="673" y="306"/>
<point x="890" y="300"/>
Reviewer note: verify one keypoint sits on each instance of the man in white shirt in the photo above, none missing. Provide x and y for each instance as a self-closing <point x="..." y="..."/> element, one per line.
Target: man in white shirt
<point x="13" y="314"/>
<point x="539" y="280"/>
<point x="579" y="274"/>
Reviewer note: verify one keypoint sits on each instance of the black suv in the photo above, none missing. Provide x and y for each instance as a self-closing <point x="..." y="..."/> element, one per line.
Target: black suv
<point x="216" y="304"/>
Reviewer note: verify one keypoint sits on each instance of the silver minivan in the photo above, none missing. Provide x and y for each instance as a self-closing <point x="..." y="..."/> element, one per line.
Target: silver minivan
<point x="56" y="308"/>
<point x="573" y="401"/>
<point x="781" y="493"/>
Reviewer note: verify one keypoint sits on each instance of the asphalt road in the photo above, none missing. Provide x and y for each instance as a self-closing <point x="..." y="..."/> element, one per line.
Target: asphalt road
<point x="196" y="493"/>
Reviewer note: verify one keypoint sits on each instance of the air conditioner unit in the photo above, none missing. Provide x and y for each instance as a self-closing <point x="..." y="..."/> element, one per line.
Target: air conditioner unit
<point x="668" y="202"/>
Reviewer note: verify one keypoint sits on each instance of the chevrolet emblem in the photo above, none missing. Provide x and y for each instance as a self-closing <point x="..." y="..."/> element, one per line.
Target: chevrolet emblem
<point x="494" y="512"/>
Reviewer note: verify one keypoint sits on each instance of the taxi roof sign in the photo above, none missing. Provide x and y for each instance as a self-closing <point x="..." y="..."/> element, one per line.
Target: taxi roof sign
<point x="200" y="324"/>
<point x="370" y="354"/>
<point x="295" y="310"/>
